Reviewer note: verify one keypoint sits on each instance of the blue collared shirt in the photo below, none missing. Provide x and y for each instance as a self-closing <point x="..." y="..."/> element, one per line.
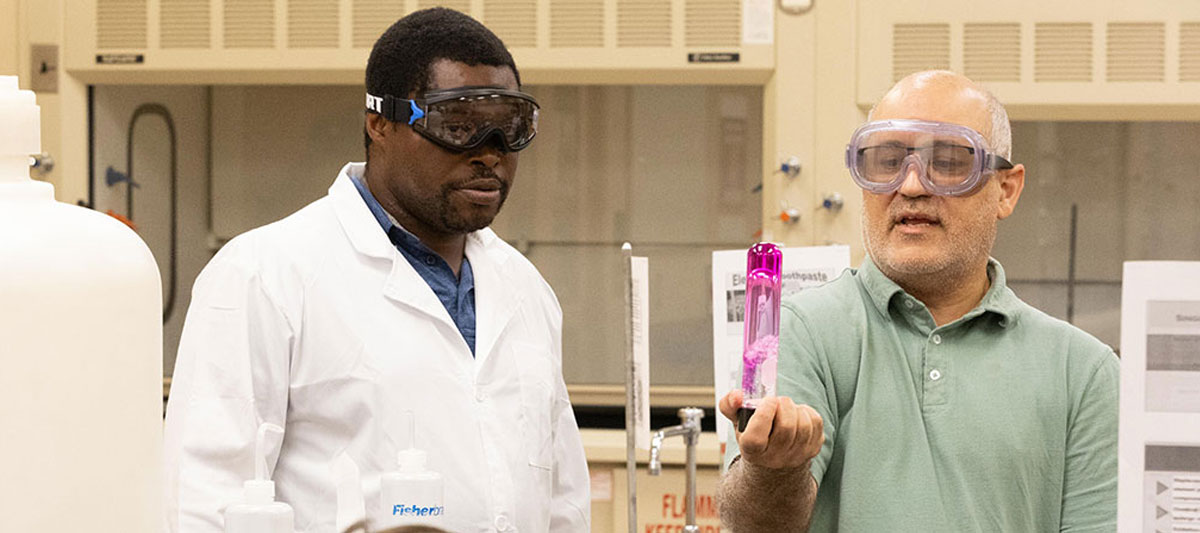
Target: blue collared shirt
<point x="457" y="293"/>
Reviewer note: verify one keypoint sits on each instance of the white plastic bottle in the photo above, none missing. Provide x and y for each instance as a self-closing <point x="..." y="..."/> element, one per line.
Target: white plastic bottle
<point x="259" y="512"/>
<point x="80" y="352"/>
<point x="413" y="493"/>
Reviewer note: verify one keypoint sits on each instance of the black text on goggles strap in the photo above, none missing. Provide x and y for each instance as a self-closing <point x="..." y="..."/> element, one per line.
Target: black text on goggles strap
<point x="425" y="115"/>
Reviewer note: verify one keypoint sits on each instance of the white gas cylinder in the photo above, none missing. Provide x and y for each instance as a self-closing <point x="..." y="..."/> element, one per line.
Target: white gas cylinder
<point x="80" y="354"/>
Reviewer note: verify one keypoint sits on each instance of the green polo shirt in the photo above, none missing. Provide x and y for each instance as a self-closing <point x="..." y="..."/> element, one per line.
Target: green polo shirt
<point x="1003" y="420"/>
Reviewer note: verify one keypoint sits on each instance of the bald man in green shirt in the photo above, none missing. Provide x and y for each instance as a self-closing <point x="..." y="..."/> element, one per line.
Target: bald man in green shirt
<point x="918" y="393"/>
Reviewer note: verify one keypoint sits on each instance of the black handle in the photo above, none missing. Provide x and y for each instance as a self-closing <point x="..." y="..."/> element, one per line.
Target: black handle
<point x="743" y="417"/>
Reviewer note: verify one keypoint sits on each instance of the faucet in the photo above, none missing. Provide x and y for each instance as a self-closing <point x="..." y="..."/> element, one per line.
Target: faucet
<point x="689" y="429"/>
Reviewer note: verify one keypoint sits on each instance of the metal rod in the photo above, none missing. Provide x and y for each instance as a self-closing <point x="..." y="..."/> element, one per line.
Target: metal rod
<point x="689" y="429"/>
<point x="630" y="381"/>
<point x="691" y="439"/>
<point x="1071" y="265"/>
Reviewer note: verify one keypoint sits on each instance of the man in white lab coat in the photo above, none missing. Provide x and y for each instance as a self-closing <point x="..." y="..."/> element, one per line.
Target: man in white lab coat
<point x="388" y="295"/>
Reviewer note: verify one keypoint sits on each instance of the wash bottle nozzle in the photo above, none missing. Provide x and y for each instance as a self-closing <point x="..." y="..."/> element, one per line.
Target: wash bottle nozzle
<point x="259" y="512"/>
<point x="410" y="458"/>
<point x="261" y="489"/>
<point x="412" y="494"/>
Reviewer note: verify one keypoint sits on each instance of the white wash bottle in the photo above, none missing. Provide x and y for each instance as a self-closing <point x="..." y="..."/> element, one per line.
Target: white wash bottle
<point x="258" y="512"/>
<point x="412" y="494"/>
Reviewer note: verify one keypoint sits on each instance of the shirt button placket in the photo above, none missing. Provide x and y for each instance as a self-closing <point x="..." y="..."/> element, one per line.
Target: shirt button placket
<point x="933" y="371"/>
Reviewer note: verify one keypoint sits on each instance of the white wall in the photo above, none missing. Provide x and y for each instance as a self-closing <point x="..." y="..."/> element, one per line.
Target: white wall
<point x="1138" y="195"/>
<point x="277" y="148"/>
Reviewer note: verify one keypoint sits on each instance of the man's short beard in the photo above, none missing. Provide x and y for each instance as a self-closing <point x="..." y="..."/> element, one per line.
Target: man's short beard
<point x="439" y="213"/>
<point x="924" y="277"/>
<point x="453" y="221"/>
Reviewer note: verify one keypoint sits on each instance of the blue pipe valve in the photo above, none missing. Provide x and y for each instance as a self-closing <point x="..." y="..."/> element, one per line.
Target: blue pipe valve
<point x="833" y="202"/>
<point x="790" y="167"/>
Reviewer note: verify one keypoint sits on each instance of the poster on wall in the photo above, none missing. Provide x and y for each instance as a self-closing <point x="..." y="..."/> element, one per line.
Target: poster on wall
<point x="758" y="22"/>
<point x="1159" y="473"/>
<point x="803" y="268"/>
<point x="640" y="373"/>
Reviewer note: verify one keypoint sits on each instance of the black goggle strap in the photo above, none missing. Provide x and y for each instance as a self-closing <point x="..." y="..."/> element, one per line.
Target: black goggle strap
<point x="395" y="109"/>
<point x="996" y="162"/>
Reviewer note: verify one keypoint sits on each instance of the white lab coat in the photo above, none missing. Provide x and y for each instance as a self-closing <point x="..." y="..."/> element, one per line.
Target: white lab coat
<point x="318" y="324"/>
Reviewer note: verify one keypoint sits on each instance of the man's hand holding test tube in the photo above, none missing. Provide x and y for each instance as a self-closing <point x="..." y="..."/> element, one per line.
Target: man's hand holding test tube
<point x="776" y="437"/>
<point x="780" y="434"/>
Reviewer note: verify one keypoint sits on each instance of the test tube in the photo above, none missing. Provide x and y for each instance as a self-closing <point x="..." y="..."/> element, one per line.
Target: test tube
<point x="760" y="343"/>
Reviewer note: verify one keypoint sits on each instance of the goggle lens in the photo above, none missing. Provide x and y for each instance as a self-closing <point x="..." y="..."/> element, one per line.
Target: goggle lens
<point x="951" y="160"/>
<point x="465" y="123"/>
<point x="945" y="164"/>
<point x="464" y="118"/>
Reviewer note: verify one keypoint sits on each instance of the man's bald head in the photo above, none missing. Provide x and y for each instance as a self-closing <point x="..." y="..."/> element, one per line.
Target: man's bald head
<point x="927" y="243"/>
<point x="944" y="96"/>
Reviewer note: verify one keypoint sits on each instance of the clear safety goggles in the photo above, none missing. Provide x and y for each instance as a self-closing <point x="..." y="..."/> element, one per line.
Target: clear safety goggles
<point x="464" y="118"/>
<point x="951" y="160"/>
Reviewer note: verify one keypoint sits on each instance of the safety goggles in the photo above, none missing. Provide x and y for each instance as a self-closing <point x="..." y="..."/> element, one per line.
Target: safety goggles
<point x="951" y="160"/>
<point x="464" y="118"/>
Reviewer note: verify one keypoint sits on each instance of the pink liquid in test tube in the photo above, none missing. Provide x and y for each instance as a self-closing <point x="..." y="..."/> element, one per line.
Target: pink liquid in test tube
<point x="760" y="348"/>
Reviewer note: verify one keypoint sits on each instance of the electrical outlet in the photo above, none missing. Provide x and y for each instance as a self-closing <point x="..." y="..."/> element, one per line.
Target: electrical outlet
<point x="43" y="68"/>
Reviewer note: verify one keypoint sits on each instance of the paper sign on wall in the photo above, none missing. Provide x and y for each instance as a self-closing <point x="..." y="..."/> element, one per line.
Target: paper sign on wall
<point x="759" y="21"/>
<point x="640" y="269"/>
<point x="1159" y="472"/>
